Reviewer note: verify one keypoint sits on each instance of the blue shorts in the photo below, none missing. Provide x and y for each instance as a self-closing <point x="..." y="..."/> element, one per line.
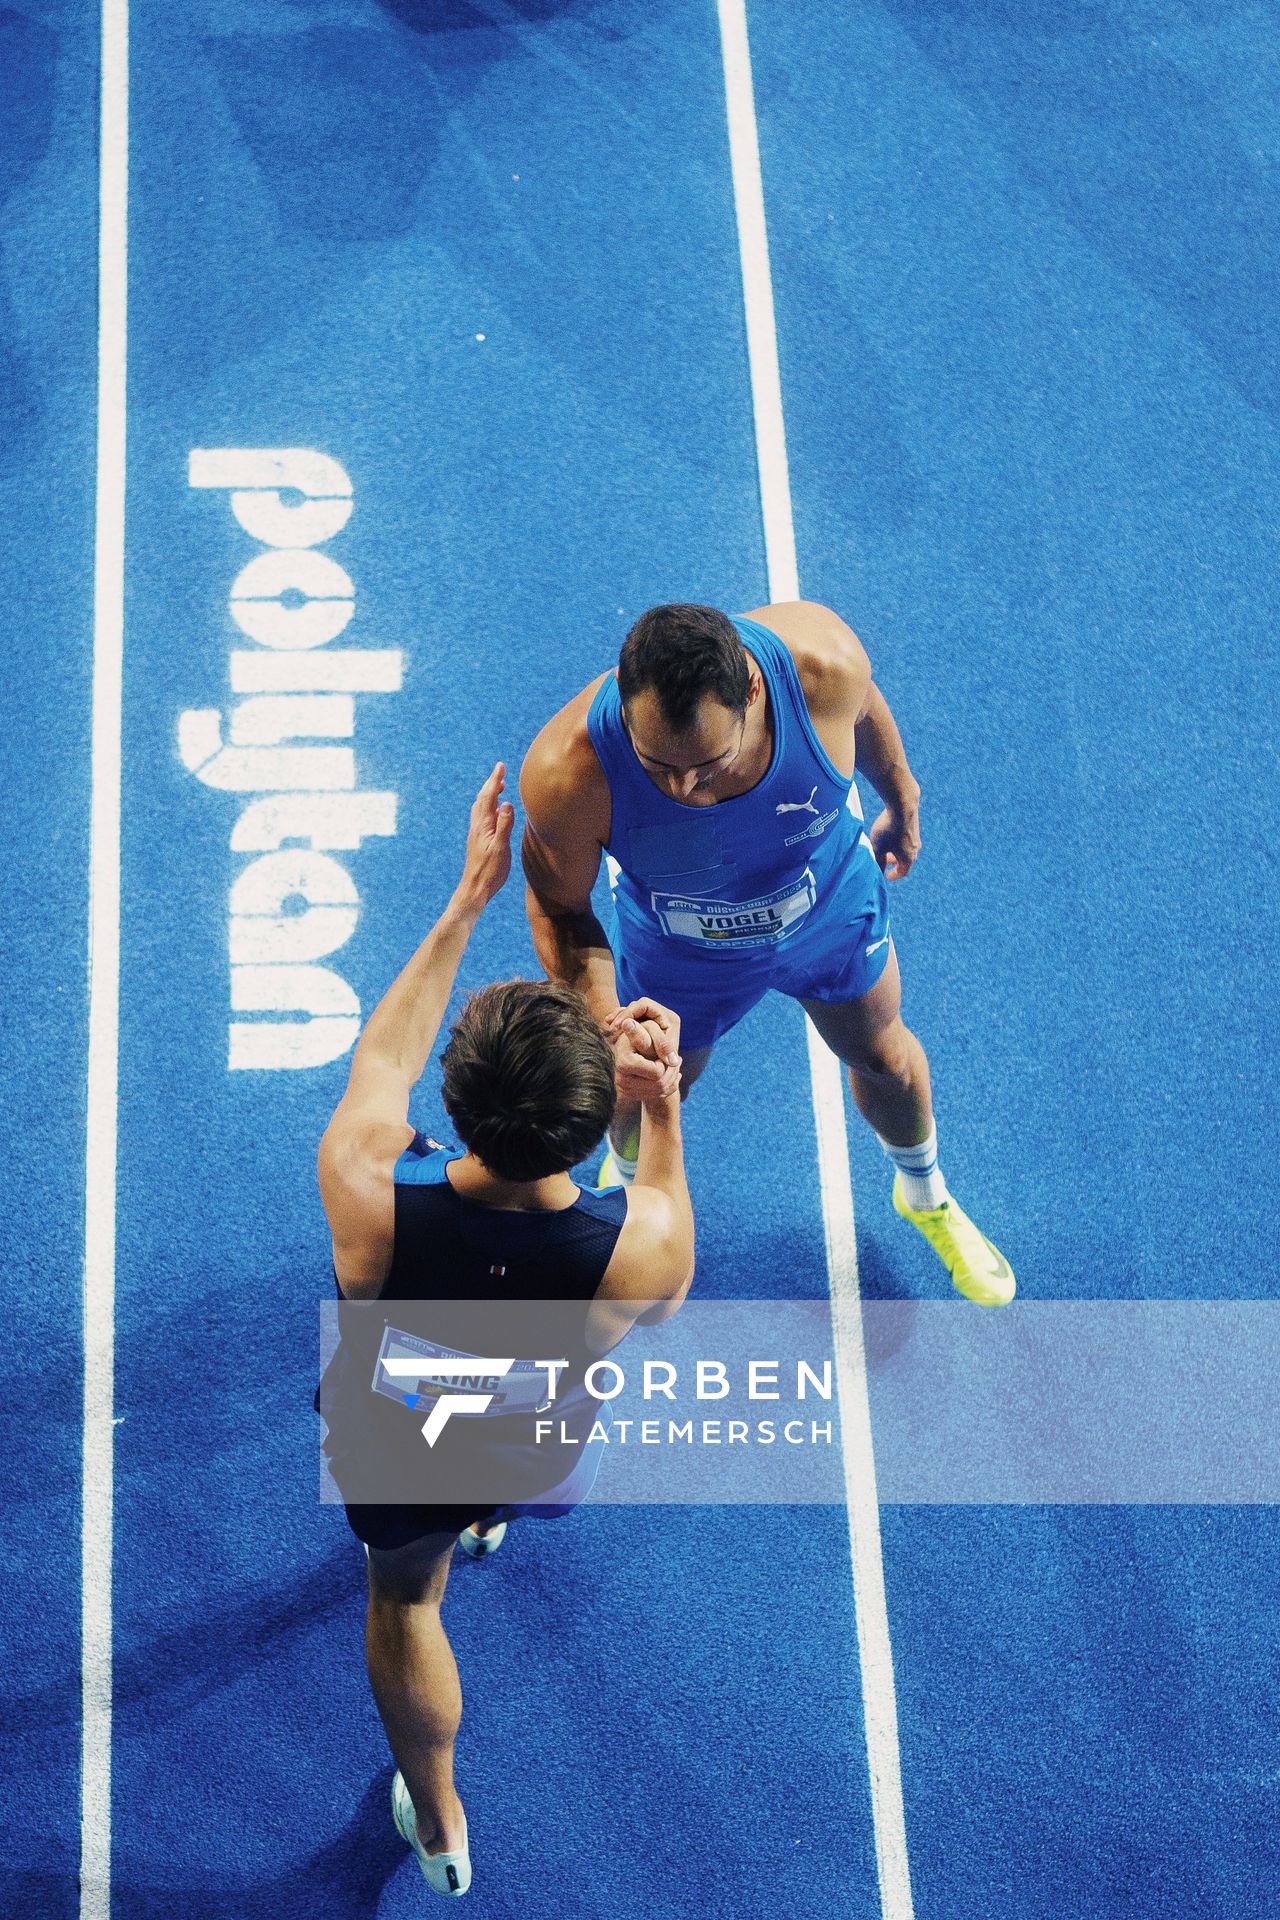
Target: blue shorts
<point x="837" y="954"/>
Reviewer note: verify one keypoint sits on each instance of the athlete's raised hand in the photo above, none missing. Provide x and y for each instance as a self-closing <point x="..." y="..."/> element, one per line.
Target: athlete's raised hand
<point x="646" y="1050"/>
<point x="488" y="858"/>
<point x="895" y="841"/>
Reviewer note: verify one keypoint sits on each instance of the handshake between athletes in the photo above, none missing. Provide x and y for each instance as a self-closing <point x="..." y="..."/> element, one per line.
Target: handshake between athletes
<point x="646" y="1050"/>
<point x="718" y="759"/>
<point x="645" y="1035"/>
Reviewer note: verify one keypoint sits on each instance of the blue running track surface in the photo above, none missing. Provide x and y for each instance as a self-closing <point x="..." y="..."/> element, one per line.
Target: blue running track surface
<point x="485" y="257"/>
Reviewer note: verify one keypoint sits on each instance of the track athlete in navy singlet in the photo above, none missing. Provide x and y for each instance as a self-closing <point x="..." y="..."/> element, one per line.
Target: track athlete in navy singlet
<point x="715" y="766"/>
<point x="529" y="1081"/>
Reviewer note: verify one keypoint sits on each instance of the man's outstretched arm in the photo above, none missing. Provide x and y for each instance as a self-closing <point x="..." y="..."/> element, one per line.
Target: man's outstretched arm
<point x="398" y="1037"/>
<point x="370" y="1125"/>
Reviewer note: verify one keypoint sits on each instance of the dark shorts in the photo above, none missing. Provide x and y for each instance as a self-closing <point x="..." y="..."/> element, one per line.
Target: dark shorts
<point x="388" y="1527"/>
<point x="391" y="1527"/>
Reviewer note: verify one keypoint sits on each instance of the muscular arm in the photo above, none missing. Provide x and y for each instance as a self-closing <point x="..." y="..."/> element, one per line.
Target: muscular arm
<point x="660" y="1169"/>
<point x="567" y="938"/>
<point x="566" y="812"/>
<point x="370" y="1126"/>
<point x="651" y="1271"/>
<point x="882" y="757"/>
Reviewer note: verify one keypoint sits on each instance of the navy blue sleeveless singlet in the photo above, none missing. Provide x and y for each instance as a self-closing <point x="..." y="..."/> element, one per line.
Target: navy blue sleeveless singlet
<point x="450" y="1254"/>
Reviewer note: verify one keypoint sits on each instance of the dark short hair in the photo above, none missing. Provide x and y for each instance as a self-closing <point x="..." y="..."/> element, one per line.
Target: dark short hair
<point x="683" y="653"/>
<point x="528" y="1078"/>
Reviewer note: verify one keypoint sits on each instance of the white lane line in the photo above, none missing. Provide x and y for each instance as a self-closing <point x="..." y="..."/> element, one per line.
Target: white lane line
<point x="757" y="292"/>
<point x="104" y="977"/>
<point x="875" y="1653"/>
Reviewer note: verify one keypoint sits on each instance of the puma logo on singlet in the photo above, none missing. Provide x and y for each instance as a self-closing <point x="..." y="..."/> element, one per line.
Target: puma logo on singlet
<point x="797" y="806"/>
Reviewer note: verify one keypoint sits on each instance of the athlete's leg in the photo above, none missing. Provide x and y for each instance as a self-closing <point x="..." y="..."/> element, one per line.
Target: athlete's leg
<point x="624" y="1128"/>
<point x="888" y="1067"/>
<point x="415" y="1679"/>
<point x="889" y="1075"/>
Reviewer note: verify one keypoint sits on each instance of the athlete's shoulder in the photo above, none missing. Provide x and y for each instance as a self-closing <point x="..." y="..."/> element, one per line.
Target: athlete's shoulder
<point x="561" y="771"/>
<point x="356" y="1168"/>
<point x="360" y="1149"/>
<point x="831" y="661"/>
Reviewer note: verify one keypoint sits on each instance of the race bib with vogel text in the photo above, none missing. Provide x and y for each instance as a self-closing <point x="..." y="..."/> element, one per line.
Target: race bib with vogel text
<point x="735" y="923"/>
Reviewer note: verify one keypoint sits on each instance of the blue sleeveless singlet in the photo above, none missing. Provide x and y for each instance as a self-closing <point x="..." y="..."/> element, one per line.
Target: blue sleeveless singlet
<point x="743" y="874"/>
<point x="776" y="887"/>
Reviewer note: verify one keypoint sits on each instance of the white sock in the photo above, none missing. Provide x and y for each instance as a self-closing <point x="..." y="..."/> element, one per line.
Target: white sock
<point x="922" y="1181"/>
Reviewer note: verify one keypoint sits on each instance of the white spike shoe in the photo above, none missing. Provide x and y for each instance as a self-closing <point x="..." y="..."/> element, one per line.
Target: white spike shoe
<point x="446" y="1873"/>
<point x="479" y="1546"/>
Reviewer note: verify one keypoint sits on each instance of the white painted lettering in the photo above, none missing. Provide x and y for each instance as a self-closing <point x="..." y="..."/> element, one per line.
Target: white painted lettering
<point x="292" y="905"/>
<point x="333" y="820"/>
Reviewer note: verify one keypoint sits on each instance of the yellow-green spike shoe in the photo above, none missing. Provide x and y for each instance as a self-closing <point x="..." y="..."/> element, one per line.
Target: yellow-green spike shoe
<point x="978" y="1269"/>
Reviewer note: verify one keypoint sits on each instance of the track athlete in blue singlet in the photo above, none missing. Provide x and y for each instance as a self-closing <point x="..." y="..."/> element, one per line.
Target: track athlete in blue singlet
<point x="529" y="1083"/>
<point x="715" y="767"/>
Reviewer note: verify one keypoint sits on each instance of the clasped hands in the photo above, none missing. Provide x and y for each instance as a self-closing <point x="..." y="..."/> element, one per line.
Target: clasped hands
<point x="646" y="1050"/>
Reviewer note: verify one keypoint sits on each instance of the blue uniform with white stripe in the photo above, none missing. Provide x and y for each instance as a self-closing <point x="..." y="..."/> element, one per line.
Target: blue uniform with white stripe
<point x="777" y="887"/>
